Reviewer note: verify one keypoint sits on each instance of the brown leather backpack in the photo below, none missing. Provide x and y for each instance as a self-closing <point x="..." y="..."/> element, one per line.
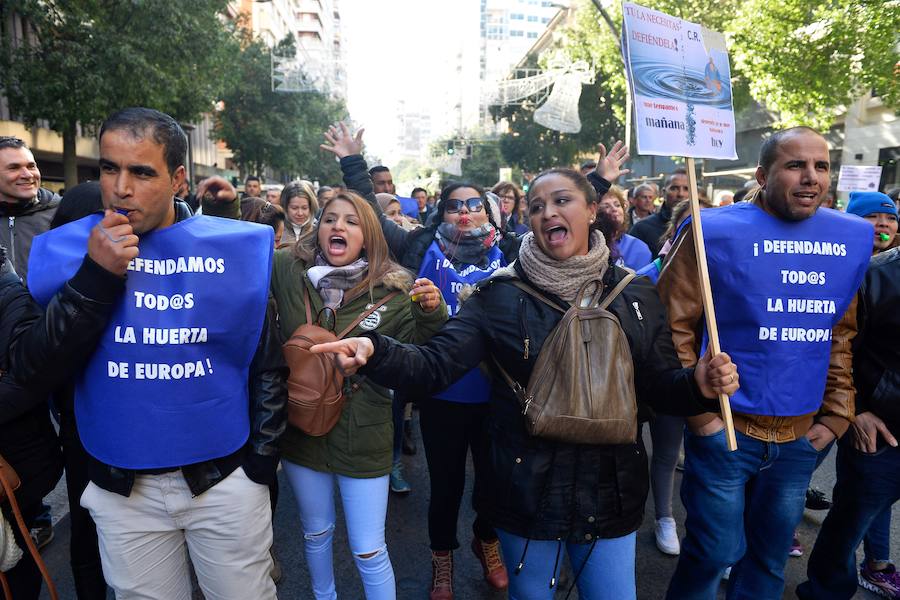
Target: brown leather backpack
<point x="582" y="387"/>
<point x="315" y="387"/>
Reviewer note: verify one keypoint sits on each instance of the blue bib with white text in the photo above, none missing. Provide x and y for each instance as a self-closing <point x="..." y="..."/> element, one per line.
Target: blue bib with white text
<point x="779" y="288"/>
<point x="473" y="387"/>
<point x="168" y="384"/>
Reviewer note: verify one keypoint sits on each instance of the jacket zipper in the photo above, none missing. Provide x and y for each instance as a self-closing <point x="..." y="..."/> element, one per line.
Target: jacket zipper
<point x="12" y="240"/>
<point x="637" y="311"/>
<point x="523" y="329"/>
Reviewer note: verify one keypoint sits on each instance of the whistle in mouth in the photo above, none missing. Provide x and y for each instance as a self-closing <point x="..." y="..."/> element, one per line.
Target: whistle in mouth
<point x="883" y="237"/>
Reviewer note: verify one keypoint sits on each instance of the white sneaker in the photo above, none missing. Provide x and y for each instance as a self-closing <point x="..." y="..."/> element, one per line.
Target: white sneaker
<point x="727" y="574"/>
<point x="667" y="536"/>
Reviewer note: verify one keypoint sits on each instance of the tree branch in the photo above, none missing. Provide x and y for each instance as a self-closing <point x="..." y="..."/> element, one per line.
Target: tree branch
<point x="609" y="23"/>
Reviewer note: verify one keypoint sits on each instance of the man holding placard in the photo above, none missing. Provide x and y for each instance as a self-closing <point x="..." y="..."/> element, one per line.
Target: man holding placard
<point x="182" y="403"/>
<point x="784" y="277"/>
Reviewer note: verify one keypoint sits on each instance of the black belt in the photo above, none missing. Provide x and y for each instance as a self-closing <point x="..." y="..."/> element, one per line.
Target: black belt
<point x="156" y="471"/>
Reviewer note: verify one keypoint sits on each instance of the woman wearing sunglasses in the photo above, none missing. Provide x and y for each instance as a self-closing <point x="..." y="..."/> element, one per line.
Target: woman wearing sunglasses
<point x="341" y="271"/>
<point x="462" y="246"/>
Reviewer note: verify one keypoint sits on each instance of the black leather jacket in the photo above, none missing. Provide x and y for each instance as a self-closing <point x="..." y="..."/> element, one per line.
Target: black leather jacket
<point x="876" y="349"/>
<point x="540" y="488"/>
<point x="267" y="388"/>
<point x="42" y="349"/>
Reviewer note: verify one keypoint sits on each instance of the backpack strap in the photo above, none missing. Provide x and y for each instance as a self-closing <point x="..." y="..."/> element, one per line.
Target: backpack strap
<point x="357" y="321"/>
<point x="518" y="390"/>
<point x="366" y="313"/>
<point x="617" y="290"/>
<point x="533" y="292"/>
<point x="307" y="303"/>
<point x="606" y="301"/>
<point x="9" y="481"/>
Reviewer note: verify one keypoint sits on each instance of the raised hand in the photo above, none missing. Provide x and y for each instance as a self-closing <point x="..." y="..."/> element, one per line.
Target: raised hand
<point x="348" y="354"/>
<point x="218" y="188"/>
<point x="112" y="243"/>
<point x="426" y="294"/>
<point x="339" y="142"/>
<point x="609" y="165"/>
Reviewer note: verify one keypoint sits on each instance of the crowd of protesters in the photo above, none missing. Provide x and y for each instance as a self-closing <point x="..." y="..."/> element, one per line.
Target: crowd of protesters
<point x="158" y="328"/>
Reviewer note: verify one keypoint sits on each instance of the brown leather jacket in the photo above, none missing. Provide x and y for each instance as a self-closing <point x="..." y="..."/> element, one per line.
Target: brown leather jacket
<point x="679" y="288"/>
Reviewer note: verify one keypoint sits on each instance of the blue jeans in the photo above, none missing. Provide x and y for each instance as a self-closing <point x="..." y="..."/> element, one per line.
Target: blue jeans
<point x="666" y="432"/>
<point x="365" y="509"/>
<point x="607" y="575"/>
<point x="742" y="508"/>
<point x="877" y="542"/>
<point x="866" y="485"/>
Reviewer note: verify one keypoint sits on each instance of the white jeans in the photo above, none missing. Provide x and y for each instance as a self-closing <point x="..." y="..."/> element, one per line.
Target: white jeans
<point x="145" y="538"/>
<point x="365" y="508"/>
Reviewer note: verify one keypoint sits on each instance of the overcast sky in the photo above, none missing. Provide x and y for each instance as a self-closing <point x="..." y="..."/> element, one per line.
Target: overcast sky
<point x="400" y="49"/>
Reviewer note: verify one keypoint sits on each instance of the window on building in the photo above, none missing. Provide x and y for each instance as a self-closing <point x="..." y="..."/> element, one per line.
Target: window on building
<point x="517" y="16"/>
<point x="889" y="160"/>
<point x="532" y="19"/>
<point x="516" y="33"/>
<point x="545" y="20"/>
<point x="532" y="35"/>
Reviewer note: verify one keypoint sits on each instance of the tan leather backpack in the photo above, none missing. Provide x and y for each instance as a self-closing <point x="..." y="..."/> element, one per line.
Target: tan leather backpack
<point x="582" y="387"/>
<point x="315" y="387"/>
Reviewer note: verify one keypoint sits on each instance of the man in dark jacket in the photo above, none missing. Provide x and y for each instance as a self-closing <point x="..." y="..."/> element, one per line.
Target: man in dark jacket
<point x="651" y="229"/>
<point x="34" y="341"/>
<point x="26" y="207"/>
<point x="868" y="461"/>
<point x="28" y="210"/>
<point x="188" y="457"/>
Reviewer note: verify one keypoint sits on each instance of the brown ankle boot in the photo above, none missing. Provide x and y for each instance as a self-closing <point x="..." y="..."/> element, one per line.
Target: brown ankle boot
<point x="441" y="576"/>
<point x="488" y="553"/>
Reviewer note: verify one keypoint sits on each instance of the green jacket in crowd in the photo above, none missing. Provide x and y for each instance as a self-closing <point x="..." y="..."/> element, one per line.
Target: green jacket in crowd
<point x="361" y="444"/>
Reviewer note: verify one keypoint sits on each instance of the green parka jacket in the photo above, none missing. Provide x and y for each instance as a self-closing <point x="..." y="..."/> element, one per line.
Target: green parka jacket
<point x="361" y="444"/>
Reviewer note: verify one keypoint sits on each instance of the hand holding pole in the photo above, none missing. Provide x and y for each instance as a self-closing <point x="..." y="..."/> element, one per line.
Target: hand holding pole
<point x="709" y="310"/>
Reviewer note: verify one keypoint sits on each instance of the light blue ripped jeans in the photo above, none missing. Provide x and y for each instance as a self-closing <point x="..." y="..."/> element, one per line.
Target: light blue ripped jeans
<point x="365" y="509"/>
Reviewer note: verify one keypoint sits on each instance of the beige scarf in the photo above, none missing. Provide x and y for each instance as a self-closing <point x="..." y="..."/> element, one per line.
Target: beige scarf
<point x="563" y="278"/>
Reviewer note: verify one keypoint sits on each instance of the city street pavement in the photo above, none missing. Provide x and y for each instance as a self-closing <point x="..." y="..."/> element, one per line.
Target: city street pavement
<point x="407" y="541"/>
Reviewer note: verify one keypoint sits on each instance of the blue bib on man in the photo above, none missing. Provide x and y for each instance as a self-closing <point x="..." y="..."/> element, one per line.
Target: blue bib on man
<point x="168" y="384"/>
<point x="779" y="287"/>
<point x="473" y="387"/>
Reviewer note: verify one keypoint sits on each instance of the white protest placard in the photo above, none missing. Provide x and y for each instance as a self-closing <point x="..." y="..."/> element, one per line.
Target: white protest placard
<point x="681" y="81"/>
<point x="855" y="178"/>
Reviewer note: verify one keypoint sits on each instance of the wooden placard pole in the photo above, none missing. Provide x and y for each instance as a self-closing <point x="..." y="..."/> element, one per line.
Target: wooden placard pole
<point x="628" y="110"/>
<point x="709" y="310"/>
